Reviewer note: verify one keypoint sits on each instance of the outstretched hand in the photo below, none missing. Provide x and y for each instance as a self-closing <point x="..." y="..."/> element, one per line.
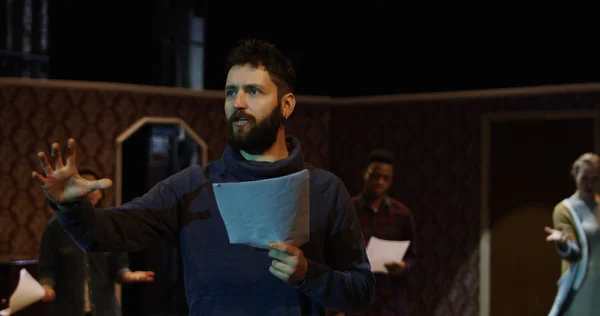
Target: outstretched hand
<point x="556" y="236"/>
<point x="63" y="184"/>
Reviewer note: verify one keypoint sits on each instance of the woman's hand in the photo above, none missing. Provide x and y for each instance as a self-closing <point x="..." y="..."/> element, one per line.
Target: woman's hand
<point x="556" y="236"/>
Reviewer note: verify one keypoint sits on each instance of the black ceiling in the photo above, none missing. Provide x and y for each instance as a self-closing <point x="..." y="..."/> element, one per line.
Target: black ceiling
<point x="338" y="50"/>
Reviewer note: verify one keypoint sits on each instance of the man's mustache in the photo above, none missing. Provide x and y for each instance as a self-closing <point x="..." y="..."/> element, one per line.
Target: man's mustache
<point x="240" y="114"/>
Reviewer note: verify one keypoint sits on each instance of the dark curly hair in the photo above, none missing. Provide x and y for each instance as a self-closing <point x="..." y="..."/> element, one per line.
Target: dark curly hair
<point x="381" y="155"/>
<point x="257" y="53"/>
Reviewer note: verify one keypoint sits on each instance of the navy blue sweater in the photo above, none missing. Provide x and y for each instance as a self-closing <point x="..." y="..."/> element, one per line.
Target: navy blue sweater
<point x="232" y="279"/>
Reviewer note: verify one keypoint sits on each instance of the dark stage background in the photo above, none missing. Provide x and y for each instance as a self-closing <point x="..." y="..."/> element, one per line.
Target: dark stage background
<point x="372" y="48"/>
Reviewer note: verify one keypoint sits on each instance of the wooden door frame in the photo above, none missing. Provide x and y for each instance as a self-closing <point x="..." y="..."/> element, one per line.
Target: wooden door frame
<point x="484" y="242"/>
<point x="134" y="128"/>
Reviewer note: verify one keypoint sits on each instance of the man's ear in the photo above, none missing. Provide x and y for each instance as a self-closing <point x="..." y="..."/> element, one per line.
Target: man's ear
<point x="288" y="103"/>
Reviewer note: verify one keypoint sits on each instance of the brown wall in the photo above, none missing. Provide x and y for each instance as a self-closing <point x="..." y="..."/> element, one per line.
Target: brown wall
<point x="436" y="140"/>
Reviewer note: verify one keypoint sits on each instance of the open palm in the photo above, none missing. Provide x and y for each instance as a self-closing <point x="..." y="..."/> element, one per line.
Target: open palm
<point x="556" y="236"/>
<point x="63" y="184"/>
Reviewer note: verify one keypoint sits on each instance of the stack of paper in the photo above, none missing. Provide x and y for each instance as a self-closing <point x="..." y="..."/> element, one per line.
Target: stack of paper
<point x="381" y="251"/>
<point x="258" y="212"/>
<point x="28" y="291"/>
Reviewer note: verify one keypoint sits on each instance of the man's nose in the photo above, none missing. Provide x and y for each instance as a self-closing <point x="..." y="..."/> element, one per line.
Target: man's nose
<point x="240" y="101"/>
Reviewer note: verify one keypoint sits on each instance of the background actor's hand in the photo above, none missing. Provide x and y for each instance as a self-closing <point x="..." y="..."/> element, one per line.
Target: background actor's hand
<point x="395" y="268"/>
<point x="49" y="293"/>
<point x="137" y="276"/>
<point x="556" y="236"/>
<point x="289" y="263"/>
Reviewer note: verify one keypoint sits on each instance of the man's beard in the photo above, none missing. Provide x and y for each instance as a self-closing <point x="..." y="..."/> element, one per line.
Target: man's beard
<point x="253" y="138"/>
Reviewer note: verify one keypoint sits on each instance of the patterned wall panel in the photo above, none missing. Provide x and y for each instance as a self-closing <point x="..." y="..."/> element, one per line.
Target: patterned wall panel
<point x="310" y="124"/>
<point x="34" y="114"/>
<point x="438" y="149"/>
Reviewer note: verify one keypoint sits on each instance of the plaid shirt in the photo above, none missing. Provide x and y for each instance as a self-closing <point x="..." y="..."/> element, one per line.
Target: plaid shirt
<point x="393" y="221"/>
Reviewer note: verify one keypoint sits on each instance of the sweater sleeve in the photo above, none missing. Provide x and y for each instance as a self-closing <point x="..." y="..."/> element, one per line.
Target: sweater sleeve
<point x="563" y="221"/>
<point x="133" y="226"/>
<point x="346" y="282"/>
<point x="48" y="256"/>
